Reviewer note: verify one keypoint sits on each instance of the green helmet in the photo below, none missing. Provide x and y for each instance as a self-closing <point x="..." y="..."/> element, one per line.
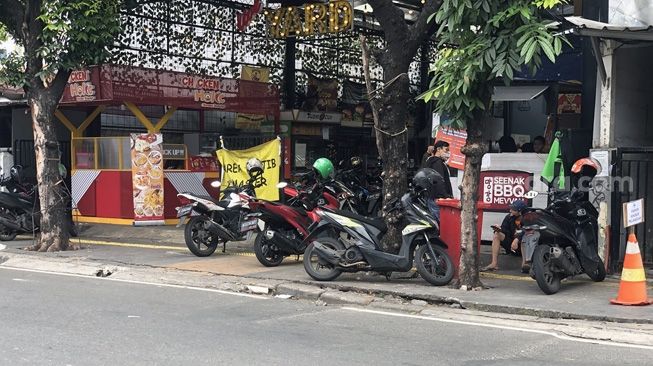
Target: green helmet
<point x="323" y="167"/>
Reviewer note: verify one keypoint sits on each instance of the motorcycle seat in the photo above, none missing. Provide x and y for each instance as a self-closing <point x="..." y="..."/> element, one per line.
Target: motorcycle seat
<point x="377" y="222"/>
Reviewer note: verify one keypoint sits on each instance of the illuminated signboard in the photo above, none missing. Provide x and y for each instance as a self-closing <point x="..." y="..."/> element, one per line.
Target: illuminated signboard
<point x="310" y="19"/>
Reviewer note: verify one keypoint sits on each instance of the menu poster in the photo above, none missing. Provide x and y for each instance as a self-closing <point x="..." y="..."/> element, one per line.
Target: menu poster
<point x="147" y="178"/>
<point x="203" y="164"/>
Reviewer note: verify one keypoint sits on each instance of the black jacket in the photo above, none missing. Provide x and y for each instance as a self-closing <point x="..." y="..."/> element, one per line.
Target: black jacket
<point x="439" y="166"/>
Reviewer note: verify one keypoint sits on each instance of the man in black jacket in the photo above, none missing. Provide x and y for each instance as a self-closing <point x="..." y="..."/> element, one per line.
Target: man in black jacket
<point x="438" y="162"/>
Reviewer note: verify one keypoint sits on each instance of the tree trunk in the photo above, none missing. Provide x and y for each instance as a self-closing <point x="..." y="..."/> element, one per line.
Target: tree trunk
<point x="54" y="223"/>
<point x="392" y="143"/>
<point x="473" y="150"/>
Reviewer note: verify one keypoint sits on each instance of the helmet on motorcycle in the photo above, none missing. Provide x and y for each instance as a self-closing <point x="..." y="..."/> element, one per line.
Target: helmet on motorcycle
<point x="426" y="181"/>
<point x="585" y="170"/>
<point x="586" y="166"/>
<point x="355" y="162"/>
<point x="16" y="173"/>
<point x="253" y="165"/>
<point x="323" y="167"/>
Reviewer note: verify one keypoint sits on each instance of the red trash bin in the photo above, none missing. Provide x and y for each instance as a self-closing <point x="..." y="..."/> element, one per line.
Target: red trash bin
<point x="450" y="210"/>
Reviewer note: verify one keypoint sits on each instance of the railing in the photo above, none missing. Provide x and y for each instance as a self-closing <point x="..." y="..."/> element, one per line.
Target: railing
<point x="114" y="153"/>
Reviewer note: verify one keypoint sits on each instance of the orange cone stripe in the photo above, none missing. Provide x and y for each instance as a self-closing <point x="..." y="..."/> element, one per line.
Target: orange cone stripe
<point x="633" y="261"/>
<point x="633" y="275"/>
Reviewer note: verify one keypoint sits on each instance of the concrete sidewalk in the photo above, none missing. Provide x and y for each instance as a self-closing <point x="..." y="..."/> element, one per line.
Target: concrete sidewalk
<point x="508" y="291"/>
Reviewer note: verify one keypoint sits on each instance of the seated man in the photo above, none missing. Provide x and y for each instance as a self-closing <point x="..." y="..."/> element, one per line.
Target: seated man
<point x="506" y="237"/>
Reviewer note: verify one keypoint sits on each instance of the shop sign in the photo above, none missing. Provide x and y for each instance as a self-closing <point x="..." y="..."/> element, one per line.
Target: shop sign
<point x="80" y="88"/>
<point x="319" y="117"/>
<point x="500" y="188"/>
<point x="147" y="177"/>
<point x="307" y="130"/>
<point x="569" y="103"/>
<point x="175" y="152"/>
<point x="456" y="140"/>
<point x="310" y="19"/>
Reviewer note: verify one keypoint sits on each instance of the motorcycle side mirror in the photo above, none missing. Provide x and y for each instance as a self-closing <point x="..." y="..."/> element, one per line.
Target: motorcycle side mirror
<point x="216" y="184"/>
<point x="282" y="185"/>
<point x="531" y="194"/>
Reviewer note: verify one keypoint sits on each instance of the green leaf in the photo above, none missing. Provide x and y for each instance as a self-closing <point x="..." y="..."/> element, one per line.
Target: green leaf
<point x="529" y="53"/>
<point x="548" y="50"/>
<point x="525" y="13"/>
<point x="557" y="45"/>
<point x="486" y="6"/>
<point x="509" y="73"/>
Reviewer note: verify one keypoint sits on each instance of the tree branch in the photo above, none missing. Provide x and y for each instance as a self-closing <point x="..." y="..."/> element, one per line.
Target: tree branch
<point x="12" y="17"/>
<point x="422" y="29"/>
<point x="391" y="19"/>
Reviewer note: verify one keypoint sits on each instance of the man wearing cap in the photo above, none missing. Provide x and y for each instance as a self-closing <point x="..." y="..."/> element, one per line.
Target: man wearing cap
<point x="506" y="237"/>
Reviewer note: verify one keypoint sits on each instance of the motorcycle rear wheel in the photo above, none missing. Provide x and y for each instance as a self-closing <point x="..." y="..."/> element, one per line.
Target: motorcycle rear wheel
<point x="321" y="271"/>
<point x="437" y="271"/>
<point x="198" y="240"/>
<point x="547" y="280"/>
<point x="264" y="252"/>
<point x="598" y="274"/>
<point x="7" y="234"/>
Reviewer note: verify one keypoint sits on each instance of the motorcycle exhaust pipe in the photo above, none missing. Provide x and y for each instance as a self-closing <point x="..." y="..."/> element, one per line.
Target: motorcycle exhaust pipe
<point x="220" y="231"/>
<point x="10" y="224"/>
<point x="283" y="243"/>
<point x="327" y="254"/>
<point x="561" y="260"/>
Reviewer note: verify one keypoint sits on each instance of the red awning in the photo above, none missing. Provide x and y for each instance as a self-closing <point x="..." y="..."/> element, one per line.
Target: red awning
<point x="115" y="84"/>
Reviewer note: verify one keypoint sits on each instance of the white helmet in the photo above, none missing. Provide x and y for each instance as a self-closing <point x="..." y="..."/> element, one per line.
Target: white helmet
<point x="254" y="164"/>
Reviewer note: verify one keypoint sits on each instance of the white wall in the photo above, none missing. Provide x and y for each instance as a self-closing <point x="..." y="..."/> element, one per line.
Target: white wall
<point x="633" y="83"/>
<point x="631" y="12"/>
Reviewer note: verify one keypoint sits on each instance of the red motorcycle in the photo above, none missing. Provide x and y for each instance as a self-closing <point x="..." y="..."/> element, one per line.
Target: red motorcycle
<point x="284" y="226"/>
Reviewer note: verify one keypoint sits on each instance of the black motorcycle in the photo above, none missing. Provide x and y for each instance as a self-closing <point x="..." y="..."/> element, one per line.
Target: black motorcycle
<point x="563" y="240"/>
<point x="20" y="211"/>
<point x="326" y="258"/>
<point x="228" y="219"/>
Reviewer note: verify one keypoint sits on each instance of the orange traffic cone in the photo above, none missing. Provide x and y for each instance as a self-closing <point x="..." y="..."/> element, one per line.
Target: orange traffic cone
<point x="632" y="289"/>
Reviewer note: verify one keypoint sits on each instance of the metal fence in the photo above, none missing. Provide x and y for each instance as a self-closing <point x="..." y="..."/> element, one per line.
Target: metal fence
<point x="635" y="164"/>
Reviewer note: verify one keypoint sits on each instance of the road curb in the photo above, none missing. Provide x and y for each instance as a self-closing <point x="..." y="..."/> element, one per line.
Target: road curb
<point x="324" y="293"/>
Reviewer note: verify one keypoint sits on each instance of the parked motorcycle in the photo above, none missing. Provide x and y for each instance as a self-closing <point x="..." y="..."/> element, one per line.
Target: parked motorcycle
<point x="283" y="227"/>
<point x="20" y="211"/>
<point x="228" y="219"/>
<point x="563" y="240"/>
<point x="326" y="258"/>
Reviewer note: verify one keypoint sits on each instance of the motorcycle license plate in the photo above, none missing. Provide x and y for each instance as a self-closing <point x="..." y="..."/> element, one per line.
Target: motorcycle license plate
<point x="182" y="213"/>
<point x="248" y="225"/>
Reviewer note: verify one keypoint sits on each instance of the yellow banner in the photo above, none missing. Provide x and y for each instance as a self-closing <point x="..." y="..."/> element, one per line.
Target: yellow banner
<point x="260" y="74"/>
<point x="234" y="168"/>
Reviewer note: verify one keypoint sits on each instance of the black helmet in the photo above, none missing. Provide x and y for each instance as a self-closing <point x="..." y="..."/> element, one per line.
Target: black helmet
<point x="426" y="181"/>
<point x="16" y="173"/>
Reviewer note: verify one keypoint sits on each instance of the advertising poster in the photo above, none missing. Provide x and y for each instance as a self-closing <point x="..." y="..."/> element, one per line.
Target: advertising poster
<point x="247" y="121"/>
<point x="500" y="188"/>
<point x="147" y="178"/>
<point x="456" y="140"/>
<point x="203" y="164"/>
<point x="234" y="168"/>
<point x="321" y="95"/>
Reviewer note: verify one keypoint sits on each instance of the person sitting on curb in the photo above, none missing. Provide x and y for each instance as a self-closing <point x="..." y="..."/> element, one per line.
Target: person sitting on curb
<point x="506" y="237"/>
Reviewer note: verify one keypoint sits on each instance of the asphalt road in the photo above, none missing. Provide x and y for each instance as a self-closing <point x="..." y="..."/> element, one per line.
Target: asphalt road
<point x="51" y="319"/>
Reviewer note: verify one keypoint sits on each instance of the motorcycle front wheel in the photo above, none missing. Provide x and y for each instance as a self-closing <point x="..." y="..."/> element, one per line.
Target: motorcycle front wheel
<point x="318" y="269"/>
<point x="437" y="271"/>
<point x="199" y="240"/>
<point x="547" y="280"/>
<point x="265" y="253"/>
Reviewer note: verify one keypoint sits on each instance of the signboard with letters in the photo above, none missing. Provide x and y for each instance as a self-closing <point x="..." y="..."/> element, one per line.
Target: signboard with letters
<point x="500" y="188"/>
<point x="310" y="19"/>
<point x="633" y="213"/>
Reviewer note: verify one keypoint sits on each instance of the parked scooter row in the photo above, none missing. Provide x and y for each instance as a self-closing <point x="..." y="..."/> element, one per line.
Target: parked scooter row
<point x="20" y="211"/>
<point x="311" y="217"/>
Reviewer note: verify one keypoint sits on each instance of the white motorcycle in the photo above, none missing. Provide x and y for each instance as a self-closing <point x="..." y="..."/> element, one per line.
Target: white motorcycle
<point x="213" y="221"/>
